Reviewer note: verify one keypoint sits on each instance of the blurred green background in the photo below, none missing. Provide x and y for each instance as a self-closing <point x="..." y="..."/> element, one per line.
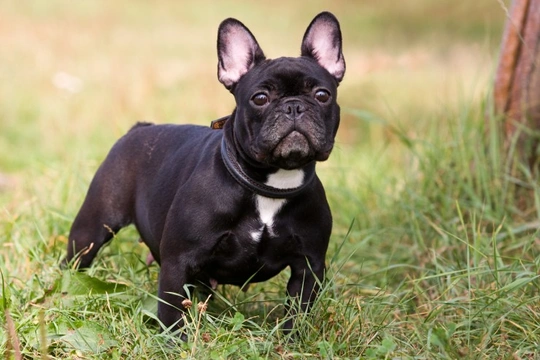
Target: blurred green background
<point x="74" y="75"/>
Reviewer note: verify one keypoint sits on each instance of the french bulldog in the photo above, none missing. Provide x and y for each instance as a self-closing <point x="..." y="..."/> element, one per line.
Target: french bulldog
<point x="239" y="203"/>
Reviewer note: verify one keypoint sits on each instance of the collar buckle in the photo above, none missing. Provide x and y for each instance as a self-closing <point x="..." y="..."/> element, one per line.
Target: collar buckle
<point x="219" y="123"/>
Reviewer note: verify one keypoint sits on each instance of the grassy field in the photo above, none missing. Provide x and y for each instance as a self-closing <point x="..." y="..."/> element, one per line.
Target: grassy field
<point x="435" y="249"/>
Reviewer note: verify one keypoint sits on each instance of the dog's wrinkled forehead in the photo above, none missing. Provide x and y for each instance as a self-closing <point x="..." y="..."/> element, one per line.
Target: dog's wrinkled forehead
<point x="288" y="76"/>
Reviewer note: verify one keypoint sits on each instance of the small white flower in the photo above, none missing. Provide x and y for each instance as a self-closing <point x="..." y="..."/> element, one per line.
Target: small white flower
<point x="67" y="82"/>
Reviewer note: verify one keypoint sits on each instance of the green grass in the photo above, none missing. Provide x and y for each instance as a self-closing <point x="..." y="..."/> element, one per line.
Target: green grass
<point x="435" y="249"/>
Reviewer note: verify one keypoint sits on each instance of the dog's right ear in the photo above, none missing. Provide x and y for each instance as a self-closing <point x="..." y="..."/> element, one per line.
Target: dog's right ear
<point x="322" y="42"/>
<point x="238" y="52"/>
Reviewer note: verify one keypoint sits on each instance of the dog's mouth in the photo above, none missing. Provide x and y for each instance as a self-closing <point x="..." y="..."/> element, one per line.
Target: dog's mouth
<point x="293" y="151"/>
<point x="293" y="145"/>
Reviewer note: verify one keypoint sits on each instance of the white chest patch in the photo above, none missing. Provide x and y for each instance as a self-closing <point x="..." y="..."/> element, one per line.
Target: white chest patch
<point x="268" y="207"/>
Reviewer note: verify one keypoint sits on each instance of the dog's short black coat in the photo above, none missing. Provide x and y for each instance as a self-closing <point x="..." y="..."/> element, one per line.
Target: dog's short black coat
<point x="236" y="205"/>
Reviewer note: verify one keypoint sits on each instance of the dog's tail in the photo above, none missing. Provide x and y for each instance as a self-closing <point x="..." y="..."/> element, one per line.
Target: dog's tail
<point x="140" y="124"/>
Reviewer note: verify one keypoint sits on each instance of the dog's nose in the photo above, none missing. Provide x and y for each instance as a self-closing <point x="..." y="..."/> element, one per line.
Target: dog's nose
<point x="294" y="109"/>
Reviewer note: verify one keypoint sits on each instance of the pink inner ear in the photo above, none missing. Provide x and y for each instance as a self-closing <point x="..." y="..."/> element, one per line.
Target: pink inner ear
<point x="325" y="51"/>
<point x="236" y="59"/>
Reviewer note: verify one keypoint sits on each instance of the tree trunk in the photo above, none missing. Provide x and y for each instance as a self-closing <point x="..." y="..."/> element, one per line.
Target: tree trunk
<point x="517" y="81"/>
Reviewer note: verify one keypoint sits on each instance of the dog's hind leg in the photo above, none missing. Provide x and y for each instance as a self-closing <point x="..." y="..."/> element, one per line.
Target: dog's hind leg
<point x="103" y="213"/>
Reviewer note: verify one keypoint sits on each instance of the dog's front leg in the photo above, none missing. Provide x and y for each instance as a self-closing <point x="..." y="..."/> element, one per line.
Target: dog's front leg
<point x="302" y="287"/>
<point x="174" y="274"/>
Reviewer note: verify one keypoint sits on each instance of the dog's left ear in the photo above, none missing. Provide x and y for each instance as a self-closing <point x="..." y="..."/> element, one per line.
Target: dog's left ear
<point x="238" y="52"/>
<point x="322" y="41"/>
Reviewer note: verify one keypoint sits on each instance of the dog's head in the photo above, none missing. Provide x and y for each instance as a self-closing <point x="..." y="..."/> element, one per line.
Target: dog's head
<point x="286" y="110"/>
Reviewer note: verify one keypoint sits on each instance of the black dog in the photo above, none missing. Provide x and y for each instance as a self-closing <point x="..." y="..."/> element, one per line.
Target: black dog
<point x="236" y="205"/>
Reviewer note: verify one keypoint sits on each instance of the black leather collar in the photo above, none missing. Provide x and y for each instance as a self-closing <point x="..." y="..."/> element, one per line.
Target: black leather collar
<point x="231" y="163"/>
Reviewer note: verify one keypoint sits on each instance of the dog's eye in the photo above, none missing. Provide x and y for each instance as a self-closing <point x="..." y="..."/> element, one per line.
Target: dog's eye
<point x="322" y="96"/>
<point x="260" y="99"/>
